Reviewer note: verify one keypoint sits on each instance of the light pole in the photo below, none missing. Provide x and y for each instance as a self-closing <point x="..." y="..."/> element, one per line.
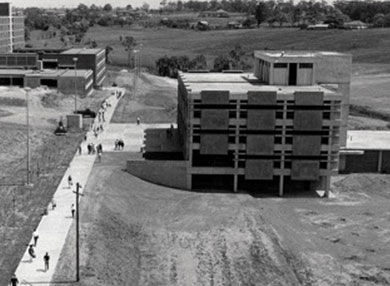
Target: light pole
<point x="27" y="90"/>
<point x="77" y="192"/>
<point x="75" y="83"/>
<point x="135" y="72"/>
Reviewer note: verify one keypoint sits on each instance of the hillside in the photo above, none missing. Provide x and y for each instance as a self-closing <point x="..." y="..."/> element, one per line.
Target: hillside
<point x="366" y="46"/>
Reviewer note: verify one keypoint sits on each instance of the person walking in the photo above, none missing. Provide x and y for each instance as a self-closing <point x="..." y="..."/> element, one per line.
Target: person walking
<point x="46" y="259"/>
<point x="138" y="121"/>
<point x="70" y="181"/>
<point x="14" y="281"/>
<point x="73" y="210"/>
<point x="35" y="237"/>
<point x="79" y="148"/>
<point x="53" y="204"/>
<point x="31" y="252"/>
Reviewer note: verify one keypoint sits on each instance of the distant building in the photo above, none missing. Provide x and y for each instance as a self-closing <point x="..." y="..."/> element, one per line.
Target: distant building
<point x="278" y="130"/>
<point x="218" y="14"/>
<point x="355" y="25"/>
<point x="11" y="29"/>
<point x="68" y="70"/>
<point x="88" y="59"/>
<point x="318" y="27"/>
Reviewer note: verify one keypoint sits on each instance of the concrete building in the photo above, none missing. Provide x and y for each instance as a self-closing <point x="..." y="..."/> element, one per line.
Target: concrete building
<point x="88" y="59"/>
<point x="11" y="29"/>
<point x="66" y="81"/>
<point x="278" y="130"/>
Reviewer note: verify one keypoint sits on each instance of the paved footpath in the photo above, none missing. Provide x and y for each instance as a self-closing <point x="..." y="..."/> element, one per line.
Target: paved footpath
<point x="54" y="227"/>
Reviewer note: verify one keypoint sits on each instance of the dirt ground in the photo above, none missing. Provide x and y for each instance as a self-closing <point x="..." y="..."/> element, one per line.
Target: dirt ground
<point x="155" y="100"/>
<point x="137" y="233"/>
<point x="21" y="207"/>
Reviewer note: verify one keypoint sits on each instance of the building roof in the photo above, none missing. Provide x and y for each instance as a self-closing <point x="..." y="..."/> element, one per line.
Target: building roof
<point x="368" y="140"/>
<point x="75" y="51"/>
<point x="240" y="83"/>
<point x="302" y="56"/>
<point x="355" y="23"/>
<point x="13" y="72"/>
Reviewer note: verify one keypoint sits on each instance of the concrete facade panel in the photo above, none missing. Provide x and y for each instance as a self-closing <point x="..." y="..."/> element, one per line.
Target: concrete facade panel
<point x="308" y="120"/>
<point x="306" y="145"/>
<point x="260" y="145"/>
<point x="261" y="120"/>
<point x="215" y="96"/>
<point x="214" y="119"/>
<point x="214" y="144"/>
<point x="309" y="98"/>
<point x="305" y="170"/>
<point x="262" y="98"/>
<point x="259" y="169"/>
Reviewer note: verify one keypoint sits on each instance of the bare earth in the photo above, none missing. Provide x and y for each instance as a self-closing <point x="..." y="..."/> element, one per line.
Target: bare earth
<point x="137" y="233"/>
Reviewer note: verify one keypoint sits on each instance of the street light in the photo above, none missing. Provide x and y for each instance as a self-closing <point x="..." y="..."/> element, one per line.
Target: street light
<point x="77" y="192"/>
<point x="135" y="71"/>
<point x="75" y="83"/>
<point x="27" y="90"/>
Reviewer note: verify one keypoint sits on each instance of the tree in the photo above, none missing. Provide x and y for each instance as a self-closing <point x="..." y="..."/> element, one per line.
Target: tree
<point x="221" y="63"/>
<point x="261" y="13"/>
<point x="379" y="20"/>
<point x="129" y="43"/>
<point x="107" y="7"/>
<point x="145" y="7"/>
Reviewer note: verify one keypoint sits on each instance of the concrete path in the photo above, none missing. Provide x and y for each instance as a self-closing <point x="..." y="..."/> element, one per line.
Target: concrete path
<point x="54" y="226"/>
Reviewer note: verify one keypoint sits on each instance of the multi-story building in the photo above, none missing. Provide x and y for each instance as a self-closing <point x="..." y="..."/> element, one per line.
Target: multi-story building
<point x="279" y="129"/>
<point x="11" y="29"/>
<point x="79" y="58"/>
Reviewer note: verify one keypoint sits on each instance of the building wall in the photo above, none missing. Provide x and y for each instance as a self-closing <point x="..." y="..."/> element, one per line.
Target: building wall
<point x="84" y="86"/>
<point x="96" y="63"/>
<point x="371" y="161"/>
<point x="13" y="60"/>
<point x="259" y="138"/>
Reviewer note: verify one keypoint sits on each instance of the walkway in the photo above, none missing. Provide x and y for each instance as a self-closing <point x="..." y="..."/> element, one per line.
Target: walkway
<point x="54" y="226"/>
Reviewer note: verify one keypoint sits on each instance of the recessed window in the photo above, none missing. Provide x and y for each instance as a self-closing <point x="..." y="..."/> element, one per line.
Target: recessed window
<point x="280" y="65"/>
<point x="305" y="65"/>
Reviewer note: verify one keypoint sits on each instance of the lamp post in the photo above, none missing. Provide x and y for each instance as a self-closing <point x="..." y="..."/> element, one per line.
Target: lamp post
<point x="77" y="192"/>
<point x="27" y="90"/>
<point x="135" y="72"/>
<point x="75" y="83"/>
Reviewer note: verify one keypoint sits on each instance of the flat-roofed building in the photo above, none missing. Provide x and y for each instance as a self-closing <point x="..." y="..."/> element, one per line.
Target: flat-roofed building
<point x="279" y="129"/>
<point x="66" y="81"/>
<point x="11" y="29"/>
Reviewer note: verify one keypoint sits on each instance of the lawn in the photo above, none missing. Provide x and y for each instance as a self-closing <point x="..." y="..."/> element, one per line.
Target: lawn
<point x="366" y="46"/>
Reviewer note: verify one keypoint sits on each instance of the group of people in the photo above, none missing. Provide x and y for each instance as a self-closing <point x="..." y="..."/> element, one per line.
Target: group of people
<point x="31" y="251"/>
<point x="119" y="144"/>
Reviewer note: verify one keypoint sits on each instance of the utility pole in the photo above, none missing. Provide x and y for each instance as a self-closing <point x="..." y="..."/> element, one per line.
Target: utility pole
<point x="27" y="90"/>
<point x="77" y="192"/>
<point x="75" y="83"/>
<point x="135" y="72"/>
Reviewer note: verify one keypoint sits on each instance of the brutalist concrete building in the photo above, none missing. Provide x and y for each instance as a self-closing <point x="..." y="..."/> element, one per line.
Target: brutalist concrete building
<point x="11" y="29"/>
<point x="276" y="130"/>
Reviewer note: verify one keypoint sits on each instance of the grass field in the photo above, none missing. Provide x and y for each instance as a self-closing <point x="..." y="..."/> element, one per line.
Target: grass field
<point x="368" y="47"/>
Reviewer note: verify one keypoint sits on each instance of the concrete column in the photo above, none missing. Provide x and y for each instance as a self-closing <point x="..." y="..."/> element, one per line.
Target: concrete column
<point x="380" y="161"/>
<point x="281" y="185"/>
<point x="237" y="142"/>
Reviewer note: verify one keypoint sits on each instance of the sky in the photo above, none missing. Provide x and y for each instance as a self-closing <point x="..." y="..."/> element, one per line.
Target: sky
<point x="75" y="3"/>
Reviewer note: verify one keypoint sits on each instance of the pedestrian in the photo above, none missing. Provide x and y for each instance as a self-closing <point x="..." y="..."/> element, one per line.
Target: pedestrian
<point x="89" y="149"/>
<point x="70" y="182"/>
<point x="79" y="150"/>
<point x="116" y="144"/>
<point x="53" y="204"/>
<point x="14" y="281"/>
<point x="31" y="252"/>
<point x="73" y="210"/>
<point x="85" y="137"/>
<point x="46" y="259"/>
<point x="35" y="237"/>
<point x="138" y="121"/>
